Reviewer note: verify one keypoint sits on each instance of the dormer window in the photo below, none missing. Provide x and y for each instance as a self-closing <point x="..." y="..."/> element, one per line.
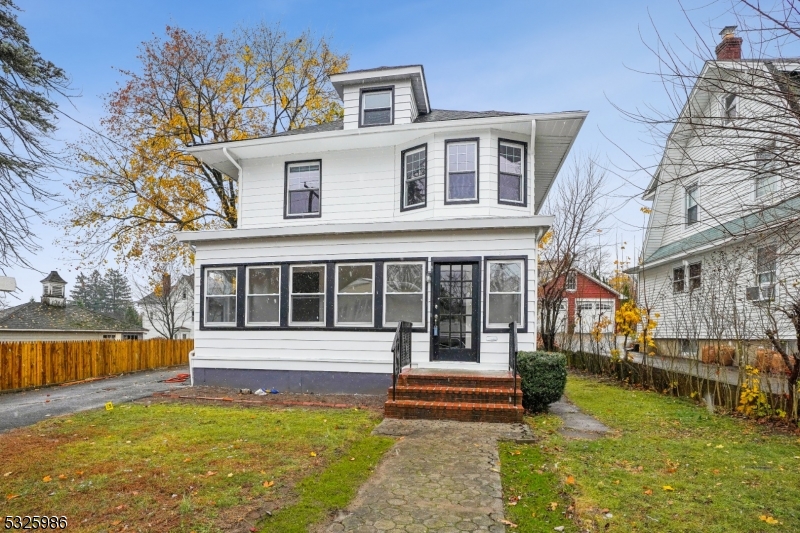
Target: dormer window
<point x="376" y="107"/>
<point x="729" y="103"/>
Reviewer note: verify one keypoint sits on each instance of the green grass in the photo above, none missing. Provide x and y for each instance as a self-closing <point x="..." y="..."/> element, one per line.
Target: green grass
<point x="725" y="474"/>
<point x="185" y="467"/>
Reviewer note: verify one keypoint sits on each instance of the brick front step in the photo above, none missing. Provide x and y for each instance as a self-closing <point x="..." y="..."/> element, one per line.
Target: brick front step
<point x="464" y="412"/>
<point x="469" y="381"/>
<point x="438" y="393"/>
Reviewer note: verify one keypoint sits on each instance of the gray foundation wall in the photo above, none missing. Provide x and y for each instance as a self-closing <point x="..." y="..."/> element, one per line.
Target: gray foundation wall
<point x="297" y="381"/>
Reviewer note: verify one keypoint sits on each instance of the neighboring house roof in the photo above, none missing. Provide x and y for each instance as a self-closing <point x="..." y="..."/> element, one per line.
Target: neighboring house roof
<point x="53" y="277"/>
<point x="187" y="279"/>
<point x="37" y="316"/>
<point x="739" y="227"/>
<point x="598" y="282"/>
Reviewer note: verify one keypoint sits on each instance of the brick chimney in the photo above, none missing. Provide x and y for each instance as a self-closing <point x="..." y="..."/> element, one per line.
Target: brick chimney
<point x="731" y="46"/>
<point x="166" y="285"/>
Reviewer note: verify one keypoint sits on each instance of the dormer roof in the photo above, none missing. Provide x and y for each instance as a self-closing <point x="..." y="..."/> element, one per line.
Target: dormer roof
<point x="53" y="277"/>
<point x="415" y="73"/>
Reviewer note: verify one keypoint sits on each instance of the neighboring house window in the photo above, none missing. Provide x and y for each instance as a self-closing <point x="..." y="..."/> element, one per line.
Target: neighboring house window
<point x="688" y="347"/>
<point x="354" y="294"/>
<point x="109" y="337"/>
<point x="572" y="281"/>
<point x="404" y="293"/>
<point x="678" y="279"/>
<point x="376" y="107"/>
<point x="415" y="177"/>
<point x="308" y="295"/>
<point x="766" y="264"/>
<point x="263" y="295"/>
<point x="184" y="335"/>
<point x="691" y="205"/>
<point x="220" y="288"/>
<point x="506" y="293"/>
<point x="695" y="271"/>
<point x="766" y="178"/>
<point x="130" y="337"/>
<point x="462" y="171"/>
<point x="729" y="105"/>
<point x="510" y="184"/>
<point x="303" y="189"/>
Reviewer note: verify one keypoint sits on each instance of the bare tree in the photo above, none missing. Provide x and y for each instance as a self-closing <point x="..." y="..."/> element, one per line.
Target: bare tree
<point x="578" y="206"/>
<point x="165" y="306"/>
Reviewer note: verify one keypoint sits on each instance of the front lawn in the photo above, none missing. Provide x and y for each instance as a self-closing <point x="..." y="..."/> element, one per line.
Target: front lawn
<point x="669" y="466"/>
<point x="186" y="467"/>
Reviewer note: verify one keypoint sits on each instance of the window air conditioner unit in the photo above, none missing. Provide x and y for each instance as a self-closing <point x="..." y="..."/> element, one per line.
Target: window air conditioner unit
<point x="763" y="293"/>
<point x="753" y="294"/>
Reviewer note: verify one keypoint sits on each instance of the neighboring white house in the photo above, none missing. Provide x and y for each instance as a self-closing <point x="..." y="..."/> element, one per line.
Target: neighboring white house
<point x="169" y="312"/>
<point x="399" y="212"/>
<point x="710" y="263"/>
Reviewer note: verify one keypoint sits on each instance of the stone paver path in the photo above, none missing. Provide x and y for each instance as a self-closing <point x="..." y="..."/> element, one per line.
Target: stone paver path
<point x="577" y="425"/>
<point x="441" y="476"/>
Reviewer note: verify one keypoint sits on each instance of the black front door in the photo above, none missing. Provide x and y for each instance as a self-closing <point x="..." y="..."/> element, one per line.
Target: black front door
<point x="456" y="311"/>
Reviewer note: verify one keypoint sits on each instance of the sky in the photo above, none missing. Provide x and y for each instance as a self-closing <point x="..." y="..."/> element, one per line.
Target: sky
<point x="527" y="56"/>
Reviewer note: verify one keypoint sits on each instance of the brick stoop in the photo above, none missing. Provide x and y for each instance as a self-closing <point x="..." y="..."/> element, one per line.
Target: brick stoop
<point x="467" y="397"/>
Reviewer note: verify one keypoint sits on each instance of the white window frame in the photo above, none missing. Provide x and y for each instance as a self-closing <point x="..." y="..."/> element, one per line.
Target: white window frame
<point x="323" y="320"/>
<point x="423" y="148"/>
<point x="206" y="297"/>
<point x="571" y="283"/>
<point x="765" y="174"/>
<point x="730" y="107"/>
<point x="336" y="295"/>
<point x="289" y="190"/>
<point x="522" y="191"/>
<point x="247" y="295"/>
<point x="522" y="293"/>
<point x="682" y="270"/>
<point x="424" y="266"/>
<point x="774" y="270"/>
<point x="688" y="276"/>
<point x="363" y="106"/>
<point x="691" y="195"/>
<point x="109" y="336"/>
<point x="453" y="143"/>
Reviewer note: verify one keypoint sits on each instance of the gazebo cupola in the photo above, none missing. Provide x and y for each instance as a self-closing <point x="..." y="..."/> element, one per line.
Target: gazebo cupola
<point x="54" y="290"/>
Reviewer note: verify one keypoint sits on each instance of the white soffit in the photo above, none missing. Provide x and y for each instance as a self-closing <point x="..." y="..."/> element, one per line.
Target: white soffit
<point x="7" y="284"/>
<point x="554" y="138"/>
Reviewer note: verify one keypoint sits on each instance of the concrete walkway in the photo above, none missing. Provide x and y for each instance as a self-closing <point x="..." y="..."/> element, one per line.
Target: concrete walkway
<point x="441" y="476"/>
<point x="18" y="409"/>
<point x="577" y="425"/>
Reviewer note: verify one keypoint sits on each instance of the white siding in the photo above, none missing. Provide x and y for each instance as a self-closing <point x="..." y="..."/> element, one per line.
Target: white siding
<point x="405" y="109"/>
<point x="353" y="351"/>
<point x="361" y="185"/>
<point x="21" y="336"/>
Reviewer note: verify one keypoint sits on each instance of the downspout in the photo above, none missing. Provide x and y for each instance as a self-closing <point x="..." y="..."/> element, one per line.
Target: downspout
<point x="239" y="180"/>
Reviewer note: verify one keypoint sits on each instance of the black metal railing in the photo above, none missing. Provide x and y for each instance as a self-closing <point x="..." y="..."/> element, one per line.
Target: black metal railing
<point x="512" y="355"/>
<point x="401" y="351"/>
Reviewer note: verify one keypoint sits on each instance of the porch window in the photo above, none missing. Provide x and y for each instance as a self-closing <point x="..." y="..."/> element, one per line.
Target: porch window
<point x="766" y="264"/>
<point x="510" y="184"/>
<point x="354" y="294"/>
<point x="695" y="272"/>
<point x="678" y="279"/>
<point x="263" y="295"/>
<point x="307" y="303"/>
<point x="415" y="177"/>
<point x="303" y="189"/>
<point x="376" y="107"/>
<point x="404" y="293"/>
<point x="766" y="178"/>
<point x="505" y="293"/>
<point x="461" y="175"/>
<point x="691" y="205"/>
<point x="220" y="289"/>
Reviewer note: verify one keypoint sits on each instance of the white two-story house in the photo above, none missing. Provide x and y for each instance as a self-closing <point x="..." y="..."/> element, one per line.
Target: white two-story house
<point x="717" y="259"/>
<point x="398" y="212"/>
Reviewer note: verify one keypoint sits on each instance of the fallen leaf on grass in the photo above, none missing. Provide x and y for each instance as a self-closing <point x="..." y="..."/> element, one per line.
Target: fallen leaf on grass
<point x="116" y="522"/>
<point x="268" y="484"/>
<point x="553" y="506"/>
<point x="11" y="496"/>
<point x="516" y="452"/>
<point x="352" y="458"/>
<point x="230" y="475"/>
<point x="79" y="472"/>
<point x="47" y="479"/>
<point x="649" y="492"/>
<point x="768" y="519"/>
<point x="187" y="459"/>
<point x="62" y="476"/>
<point x="508" y="523"/>
<point x="7" y="474"/>
<point x="668" y="488"/>
<point x="210" y="473"/>
<point x="570" y="480"/>
<point x="313" y="454"/>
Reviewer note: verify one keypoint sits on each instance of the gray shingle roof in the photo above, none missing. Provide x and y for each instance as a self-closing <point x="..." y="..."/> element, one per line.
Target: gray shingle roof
<point x="742" y="226"/>
<point x="39" y="316"/>
<point x="53" y="277"/>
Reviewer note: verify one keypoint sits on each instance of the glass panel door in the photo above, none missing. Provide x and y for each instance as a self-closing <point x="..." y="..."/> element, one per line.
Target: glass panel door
<point x="456" y="310"/>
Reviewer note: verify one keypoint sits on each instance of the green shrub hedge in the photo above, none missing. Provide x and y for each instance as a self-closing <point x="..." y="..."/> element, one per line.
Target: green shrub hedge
<point x="544" y="376"/>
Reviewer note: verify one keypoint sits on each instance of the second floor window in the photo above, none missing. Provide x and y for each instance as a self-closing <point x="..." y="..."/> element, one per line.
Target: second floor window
<point x="691" y="205"/>
<point x="766" y="178"/>
<point x="415" y="177"/>
<point x="678" y="279"/>
<point x="766" y="264"/>
<point x="572" y="281"/>
<point x="303" y="189"/>
<point x="729" y="107"/>
<point x="695" y="276"/>
<point x="376" y="107"/>
<point x="461" y="179"/>
<point x="510" y="178"/>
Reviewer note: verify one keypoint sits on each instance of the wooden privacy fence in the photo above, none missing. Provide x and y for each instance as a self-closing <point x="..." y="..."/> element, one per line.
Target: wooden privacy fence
<point x="34" y="364"/>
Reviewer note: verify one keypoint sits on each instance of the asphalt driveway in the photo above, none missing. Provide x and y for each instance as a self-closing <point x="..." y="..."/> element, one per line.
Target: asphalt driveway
<point x="18" y="409"/>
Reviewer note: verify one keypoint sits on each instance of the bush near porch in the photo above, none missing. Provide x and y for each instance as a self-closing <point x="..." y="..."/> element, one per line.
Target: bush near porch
<point x="544" y="376"/>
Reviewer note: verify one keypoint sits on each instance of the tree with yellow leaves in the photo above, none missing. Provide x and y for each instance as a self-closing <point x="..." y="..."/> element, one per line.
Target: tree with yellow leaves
<point x="137" y="187"/>
<point x="627" y="320"/>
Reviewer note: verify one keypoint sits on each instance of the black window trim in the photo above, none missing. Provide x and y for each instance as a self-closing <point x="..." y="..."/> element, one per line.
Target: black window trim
<point x="325" y="292"/>
<point x="361" y="105"/>
<point x="336" y="266"/>
<point x="403" y="153"/>
<point x="286" y="214"/>
<point x="477" y="199"/>
<point x="284" y="302"/>
<point x="524" y="177"/>
<point x="247" y="294"/>
<point x="521" y="328"/>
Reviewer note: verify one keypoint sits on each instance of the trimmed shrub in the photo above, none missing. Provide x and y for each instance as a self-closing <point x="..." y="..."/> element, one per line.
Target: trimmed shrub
<point x="544" y="376"/>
